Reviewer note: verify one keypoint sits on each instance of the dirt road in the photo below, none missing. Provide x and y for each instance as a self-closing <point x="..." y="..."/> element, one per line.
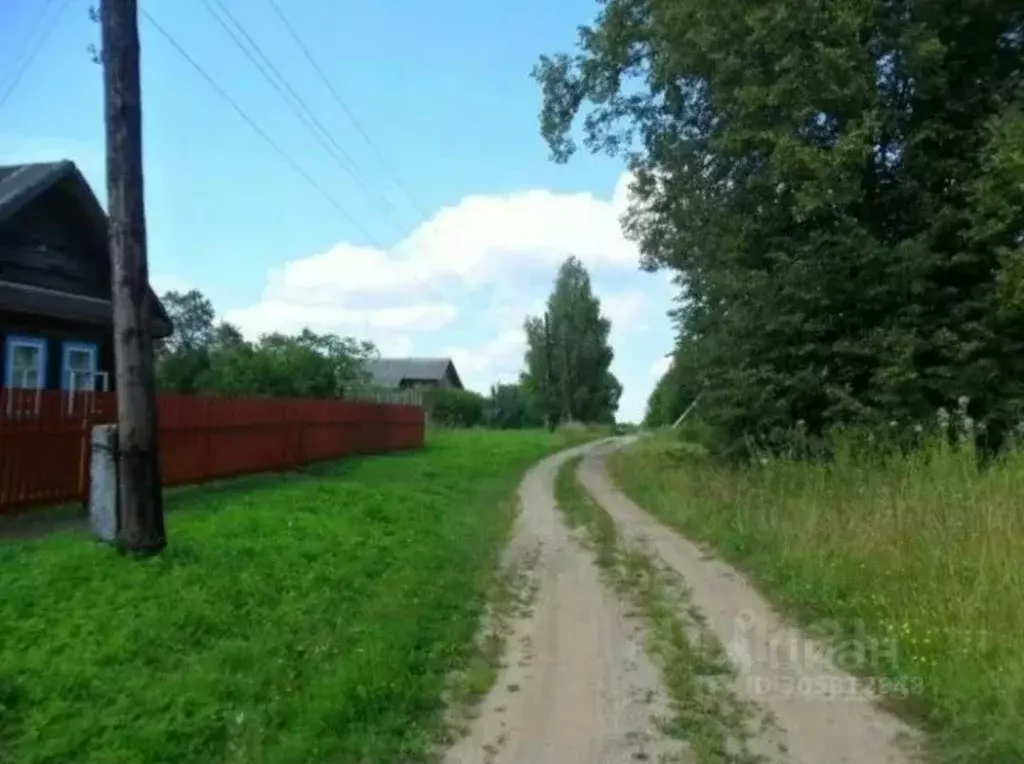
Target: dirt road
<point x="821" y="716"/>
<point x="579" y="688"/>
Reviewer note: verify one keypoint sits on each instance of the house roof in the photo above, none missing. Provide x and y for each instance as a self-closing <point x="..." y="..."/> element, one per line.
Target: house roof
<point x="390" y="372"/>
<point x="20" y="184"/>
<point x="24" y="183"/>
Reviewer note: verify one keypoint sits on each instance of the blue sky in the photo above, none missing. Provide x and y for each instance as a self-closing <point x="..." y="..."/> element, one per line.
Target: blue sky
<point x="442" y="89"/>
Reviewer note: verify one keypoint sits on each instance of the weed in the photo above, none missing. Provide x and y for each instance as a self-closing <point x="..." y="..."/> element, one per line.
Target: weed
<point x="706" y="713"/>
<point x="916" y="554"/>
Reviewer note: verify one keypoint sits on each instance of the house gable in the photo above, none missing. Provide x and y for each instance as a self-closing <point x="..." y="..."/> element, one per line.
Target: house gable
<point x="414" y="372"/>
<point x="54" y="259"/>
<point x="48" y="245"/>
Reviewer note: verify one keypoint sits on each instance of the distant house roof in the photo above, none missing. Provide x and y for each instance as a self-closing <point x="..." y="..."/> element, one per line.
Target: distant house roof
<point x="24" y="183"/>
<point x="391" y="372"/>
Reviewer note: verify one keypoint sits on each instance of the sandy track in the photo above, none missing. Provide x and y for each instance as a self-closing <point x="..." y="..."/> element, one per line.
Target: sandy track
<point x="821" y="718"/>
<point x="577" y="686"/>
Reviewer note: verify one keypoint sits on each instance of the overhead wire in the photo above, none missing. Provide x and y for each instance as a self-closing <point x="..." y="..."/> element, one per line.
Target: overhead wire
<point x="26" y="40"/>
<point x="416" y="205"/>
<point x="427" y="286"/>
<point x="348" y="111"/>
<point x="296" y="102"/>
<point x="19" y="71"/>
<point x="259" y="131"/>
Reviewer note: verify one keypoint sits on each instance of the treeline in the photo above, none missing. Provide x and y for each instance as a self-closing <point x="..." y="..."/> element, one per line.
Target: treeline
<point x="205" y="357"/>
<point x="840" y="189"/>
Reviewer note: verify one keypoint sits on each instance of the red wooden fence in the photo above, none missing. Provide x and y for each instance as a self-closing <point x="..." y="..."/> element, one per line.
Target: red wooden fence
<point x="44" y="438"/>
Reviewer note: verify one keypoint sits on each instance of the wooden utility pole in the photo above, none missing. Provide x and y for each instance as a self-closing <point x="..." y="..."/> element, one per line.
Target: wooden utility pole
<point x="140" y="497"/>
<point x="550" y="374"/>
<point x="683" y="416"/>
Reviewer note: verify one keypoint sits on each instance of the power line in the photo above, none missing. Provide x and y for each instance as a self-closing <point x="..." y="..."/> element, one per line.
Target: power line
<point x="341" y="102"/>
<point x="19" y="71"/>
<point x="304" y="113"/>
<point x="297" y="104"/>
<point x="284" y="155"/>
<point x="29" y="35"/>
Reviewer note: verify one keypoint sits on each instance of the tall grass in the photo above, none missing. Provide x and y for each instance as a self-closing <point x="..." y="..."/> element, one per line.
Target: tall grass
<point x="920" y="550"/>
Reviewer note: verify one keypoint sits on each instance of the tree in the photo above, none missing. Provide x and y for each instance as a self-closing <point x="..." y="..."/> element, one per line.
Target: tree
<point x="815" y="175"/>
<point x="192" y="315"/>
<point x="215" y="359"/>
<point x="508" y="408"/>
<point x="185" y="355"/>
<point x="568" y="357"/>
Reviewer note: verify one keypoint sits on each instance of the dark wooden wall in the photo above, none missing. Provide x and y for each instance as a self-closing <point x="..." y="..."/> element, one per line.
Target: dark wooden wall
<point x="48" y="244"/>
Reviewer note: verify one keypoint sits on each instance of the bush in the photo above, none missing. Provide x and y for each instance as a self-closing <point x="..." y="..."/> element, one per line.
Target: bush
<point x="455" y="408"/>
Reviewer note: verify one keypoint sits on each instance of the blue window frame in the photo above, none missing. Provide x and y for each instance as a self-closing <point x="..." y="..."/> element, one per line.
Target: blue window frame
<point x="78" y="365"/>
<point x="24" y="362"/>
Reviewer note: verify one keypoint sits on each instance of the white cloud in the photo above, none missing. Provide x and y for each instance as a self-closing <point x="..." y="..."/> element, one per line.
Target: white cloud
<point x="500" y="356"/>
<point x="395" y="345"/>
<point x="483" y="237"/>
<point x="624" y="310"/>
<point x="463" y="282"/>
<point x="481" y="242"/>
<point x="659" y="367"/>
<point x="345" y="269"/>
<point x="285" y="316"/>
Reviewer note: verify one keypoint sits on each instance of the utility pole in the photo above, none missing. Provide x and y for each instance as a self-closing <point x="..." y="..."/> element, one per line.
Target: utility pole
<point x="140" y="498"/>
<point x="567" y="322"/>
<point x="550" y="373"/>
<point x="566" y="407"/>
<point x="686" y="413"/>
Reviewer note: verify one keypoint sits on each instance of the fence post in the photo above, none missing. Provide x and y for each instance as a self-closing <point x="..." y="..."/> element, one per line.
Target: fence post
<point x="103" y="482"/>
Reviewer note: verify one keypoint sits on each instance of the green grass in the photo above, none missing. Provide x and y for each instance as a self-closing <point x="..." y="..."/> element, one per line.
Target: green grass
<point x="706" y="714"/>
<point x="917" y="558"/>
<point x="308" y="618"/>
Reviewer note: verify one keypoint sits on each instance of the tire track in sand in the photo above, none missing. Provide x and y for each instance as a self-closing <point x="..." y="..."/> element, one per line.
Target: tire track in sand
<point x="577" y="686"/>
<point x="820" y="718"/>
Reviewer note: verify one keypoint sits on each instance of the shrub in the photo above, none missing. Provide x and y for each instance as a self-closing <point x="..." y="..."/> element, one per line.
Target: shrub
<point x="455" y="408"/>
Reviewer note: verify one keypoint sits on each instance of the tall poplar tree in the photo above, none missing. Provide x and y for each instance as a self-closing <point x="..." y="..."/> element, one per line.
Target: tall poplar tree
<point x="568" y="356"/>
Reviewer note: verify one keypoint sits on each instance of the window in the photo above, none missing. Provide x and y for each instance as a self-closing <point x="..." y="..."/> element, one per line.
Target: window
<point x="78" y="366"/>
<point x="25" y="365"/>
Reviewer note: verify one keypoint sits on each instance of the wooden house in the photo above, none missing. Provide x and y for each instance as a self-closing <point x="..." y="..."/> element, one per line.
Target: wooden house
<point x="414" y="373"/>
<point x="56" y="316"/>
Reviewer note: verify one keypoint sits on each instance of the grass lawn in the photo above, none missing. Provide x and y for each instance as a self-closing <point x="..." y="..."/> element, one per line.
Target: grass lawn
<point x="921" y="555"/>
<point x="306" y="618"/>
